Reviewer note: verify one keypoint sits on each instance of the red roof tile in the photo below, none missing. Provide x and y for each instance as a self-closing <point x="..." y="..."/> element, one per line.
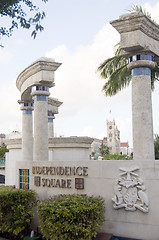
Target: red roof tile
<point x="124" y="144"/>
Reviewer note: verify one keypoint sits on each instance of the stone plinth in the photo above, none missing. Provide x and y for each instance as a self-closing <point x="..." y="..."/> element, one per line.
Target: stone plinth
<point x="70" y="148"/>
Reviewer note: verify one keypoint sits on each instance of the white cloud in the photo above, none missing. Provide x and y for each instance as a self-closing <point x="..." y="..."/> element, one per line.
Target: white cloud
<point x="5" y="56"/>
<point x="85" y="108"/>
<point x="10" y="111"/>
<point x="153" y="10"/>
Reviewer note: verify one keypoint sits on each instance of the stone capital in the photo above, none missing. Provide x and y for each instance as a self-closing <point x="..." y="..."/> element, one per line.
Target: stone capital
<point x="40" y="72"/>
<point x="141" y="63"/>
<point x="53" y="105"/>
<point x="138" y="33"/>
<point x="26" y="105"/>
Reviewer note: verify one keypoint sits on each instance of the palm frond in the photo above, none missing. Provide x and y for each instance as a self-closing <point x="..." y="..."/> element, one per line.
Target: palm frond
<point x="154" y="76"/>
<point x="111" y="64"/>
<point x="118" y="80"/>
<point x="139" y="8"/>
<point x="118" y="76"/>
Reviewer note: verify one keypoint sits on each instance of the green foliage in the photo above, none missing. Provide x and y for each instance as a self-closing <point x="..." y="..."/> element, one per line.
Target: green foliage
<point x="156" y="144"/>
<point x="138" y="8"/>
<point x="103" y="149"/>
<point x="115" y="70"/>
<point x="20" y="13"/>
<point x="16" y="210"/>
<point x="3" y="150"/>
<point x="70" y="217"/>
<point x="116" y="157"/>
<point x="93" y="154"/>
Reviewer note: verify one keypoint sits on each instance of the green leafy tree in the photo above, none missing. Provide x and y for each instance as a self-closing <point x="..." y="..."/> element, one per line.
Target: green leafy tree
<point x="20" y="13"/>
<point x="3" y="150"/>
<point x="156" y="144"/>
<point x="103" y="149"/>
<point x="116" y="156"/>
<point x="115" y="69"/>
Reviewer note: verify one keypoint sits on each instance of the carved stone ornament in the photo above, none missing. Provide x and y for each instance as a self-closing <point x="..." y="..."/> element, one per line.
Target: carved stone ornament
<point x="130" y="192"/>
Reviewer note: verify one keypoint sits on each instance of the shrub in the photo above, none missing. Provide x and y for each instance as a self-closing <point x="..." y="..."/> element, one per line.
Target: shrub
<point x="70" y="217"/>
<point x="116" y="156"/>
<point x="16" y="210"/>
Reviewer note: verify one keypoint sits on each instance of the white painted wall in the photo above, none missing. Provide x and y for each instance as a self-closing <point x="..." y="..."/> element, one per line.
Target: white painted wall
<point x="101" y="179"/>
<point x="10" y="165"/>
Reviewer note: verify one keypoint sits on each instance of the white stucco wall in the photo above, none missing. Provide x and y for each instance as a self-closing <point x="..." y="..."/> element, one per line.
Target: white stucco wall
<point x="10" y="166"/>
<point x="100" y="181"/>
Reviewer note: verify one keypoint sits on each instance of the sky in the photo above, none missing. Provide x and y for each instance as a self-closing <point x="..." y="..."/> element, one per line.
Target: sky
<point x="78" y="35"/>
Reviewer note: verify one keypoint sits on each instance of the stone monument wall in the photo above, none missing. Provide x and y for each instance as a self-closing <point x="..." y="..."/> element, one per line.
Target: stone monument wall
<point x="129" y="188"/>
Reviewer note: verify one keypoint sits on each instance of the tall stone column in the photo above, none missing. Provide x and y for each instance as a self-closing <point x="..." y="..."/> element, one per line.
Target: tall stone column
<point x="27" y="131"/>
<point x="40" y="95"/>
<point x="143" y="141"/>
<point x="53" y="105"/>
<point x="139" y="41"/>
<point x="51" y="118"/>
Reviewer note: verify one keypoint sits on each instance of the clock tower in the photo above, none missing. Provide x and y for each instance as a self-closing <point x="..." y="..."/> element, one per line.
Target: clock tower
<point x="113" y="137"/>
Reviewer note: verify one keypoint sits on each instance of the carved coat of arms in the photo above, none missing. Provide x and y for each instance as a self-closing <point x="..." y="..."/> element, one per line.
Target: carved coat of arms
<point x="130" y="192"/>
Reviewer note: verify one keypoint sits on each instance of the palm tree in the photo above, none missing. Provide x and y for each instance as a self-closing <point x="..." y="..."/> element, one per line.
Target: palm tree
<point x="115" y="69"/>
<point x="118" y="75"/>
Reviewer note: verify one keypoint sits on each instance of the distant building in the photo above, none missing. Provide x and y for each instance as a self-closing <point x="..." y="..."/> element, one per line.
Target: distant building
<point x="113" y="137"/>
<point x="2" y="137"/>
<point x="95" y="147"/>
<point x="112" y="141"/>
<point x="125" y="149"/>
<point x="13" y="135"/>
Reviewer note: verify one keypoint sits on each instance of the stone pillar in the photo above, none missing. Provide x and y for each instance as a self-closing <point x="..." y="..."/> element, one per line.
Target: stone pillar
<point x="40" y="95"/>
<point x="139" y="41"/>
<point x="143" y="141"/>
<point x="51" y="118"/>
<point x="27" y="131"/>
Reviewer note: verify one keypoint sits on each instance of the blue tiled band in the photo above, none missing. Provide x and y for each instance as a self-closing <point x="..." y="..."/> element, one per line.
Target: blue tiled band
<point x="40" y="98"/>
<point x="141" y="57"/>
<point x="50" y="120"/>
<point x="50" y="114"/>
<point x="141" y="71"/>
<point x="40" y="88"/>
<point x="28" y="104"/>
<point x="27" y="111"/>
